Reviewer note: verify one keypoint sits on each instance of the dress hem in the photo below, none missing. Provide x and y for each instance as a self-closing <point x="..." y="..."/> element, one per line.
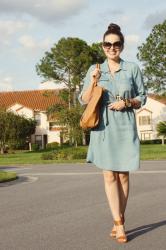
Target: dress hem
<point x="112" y="169"/>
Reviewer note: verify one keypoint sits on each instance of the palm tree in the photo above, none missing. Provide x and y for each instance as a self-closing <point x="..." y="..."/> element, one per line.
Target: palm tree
<point x="161" y="129"/>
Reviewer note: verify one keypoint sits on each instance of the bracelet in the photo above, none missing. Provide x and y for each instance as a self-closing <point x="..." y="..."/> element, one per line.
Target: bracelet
<point x="127" y="102"/>
<point x="131" y="103"/>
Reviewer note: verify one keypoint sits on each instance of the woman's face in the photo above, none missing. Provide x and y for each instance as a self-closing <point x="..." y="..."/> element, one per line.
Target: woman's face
<point x="112" y="46"/>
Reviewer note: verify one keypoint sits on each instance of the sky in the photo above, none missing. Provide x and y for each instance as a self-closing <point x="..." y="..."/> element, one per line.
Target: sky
<point x="30" y="28"/>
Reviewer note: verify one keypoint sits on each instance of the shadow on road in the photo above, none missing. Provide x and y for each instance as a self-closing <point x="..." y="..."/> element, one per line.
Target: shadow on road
<point x="131" y="234"/>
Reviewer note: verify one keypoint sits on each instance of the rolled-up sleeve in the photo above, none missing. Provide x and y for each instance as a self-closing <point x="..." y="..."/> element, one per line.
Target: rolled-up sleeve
<point x="140" y="92"/>
<point x="86" y="82"/>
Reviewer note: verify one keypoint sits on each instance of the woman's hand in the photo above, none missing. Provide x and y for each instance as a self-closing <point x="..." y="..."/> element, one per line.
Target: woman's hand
<point x="117" y="105"/>
<point x="95" y="74"/>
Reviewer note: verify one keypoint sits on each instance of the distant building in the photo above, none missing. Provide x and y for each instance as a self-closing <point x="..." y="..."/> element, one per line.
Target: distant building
<point x="149" y="116"/>
<point x="33" y="104"/>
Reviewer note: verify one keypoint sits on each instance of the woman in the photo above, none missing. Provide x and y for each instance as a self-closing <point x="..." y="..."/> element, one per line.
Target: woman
<point x="114" y="143"/>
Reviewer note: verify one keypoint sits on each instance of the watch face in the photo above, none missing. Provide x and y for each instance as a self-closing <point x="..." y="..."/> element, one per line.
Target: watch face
<point x="128" y="103"/>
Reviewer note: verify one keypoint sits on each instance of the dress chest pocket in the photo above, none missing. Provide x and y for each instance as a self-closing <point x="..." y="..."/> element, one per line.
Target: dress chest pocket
<point x="126" y="87"/>
<point x="104" y="78"/>
<point x="126" y="83"/>
<point x="103" y="81"/>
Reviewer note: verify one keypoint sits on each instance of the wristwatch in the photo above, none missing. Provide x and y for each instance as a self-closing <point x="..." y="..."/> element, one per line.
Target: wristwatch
<point x="127" y="103"/>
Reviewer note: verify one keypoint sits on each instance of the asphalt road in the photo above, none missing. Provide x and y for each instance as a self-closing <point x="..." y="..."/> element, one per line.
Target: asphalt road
<point x="64" y="207"/>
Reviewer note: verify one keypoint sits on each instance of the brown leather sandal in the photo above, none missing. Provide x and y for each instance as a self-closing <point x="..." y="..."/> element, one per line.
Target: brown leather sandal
<point x="113" y="232"/>
<point x="121" y="238"/>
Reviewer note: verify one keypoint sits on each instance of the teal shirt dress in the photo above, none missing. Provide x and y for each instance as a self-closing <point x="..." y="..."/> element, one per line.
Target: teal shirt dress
<point x="114" y="143"/>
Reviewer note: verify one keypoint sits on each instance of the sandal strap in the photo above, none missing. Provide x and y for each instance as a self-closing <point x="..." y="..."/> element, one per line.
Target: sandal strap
<point x="122" y="237"/>
<point x="118" y="222"/>
<point x="123" y="219"/>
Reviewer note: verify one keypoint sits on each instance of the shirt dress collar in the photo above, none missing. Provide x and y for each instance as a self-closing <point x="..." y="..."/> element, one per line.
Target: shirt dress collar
<point x="105" y="67"/>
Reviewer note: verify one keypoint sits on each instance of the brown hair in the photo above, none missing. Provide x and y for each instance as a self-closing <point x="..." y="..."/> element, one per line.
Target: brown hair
<point x="114" y="29"/>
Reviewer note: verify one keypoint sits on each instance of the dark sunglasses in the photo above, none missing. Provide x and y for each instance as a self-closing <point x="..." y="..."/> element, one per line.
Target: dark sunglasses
<point x="115" y="45"/>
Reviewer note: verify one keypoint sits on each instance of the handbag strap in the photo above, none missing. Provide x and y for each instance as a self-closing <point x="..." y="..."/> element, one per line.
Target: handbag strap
<point x="94" y="77"/>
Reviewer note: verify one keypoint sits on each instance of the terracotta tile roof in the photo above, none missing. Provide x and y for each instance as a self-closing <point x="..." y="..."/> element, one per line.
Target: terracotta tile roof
<point x="158" y="98"/>
<point x="33" y="99"/>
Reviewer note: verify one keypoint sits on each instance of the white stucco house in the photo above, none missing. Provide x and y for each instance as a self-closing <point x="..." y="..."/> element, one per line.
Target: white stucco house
<point x="149" y="116"/>
<point x="33" y="104"/>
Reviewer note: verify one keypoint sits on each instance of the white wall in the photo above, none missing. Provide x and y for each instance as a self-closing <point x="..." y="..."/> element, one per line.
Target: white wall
<point x="53" y="136"/>
<point x="158" y="113"/>
<point x="43" y="128"/>
<point x="21" y="110"/>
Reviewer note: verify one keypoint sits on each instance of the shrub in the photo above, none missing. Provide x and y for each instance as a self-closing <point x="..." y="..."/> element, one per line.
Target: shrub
<point x="62" y="154"/>
<point x="52" y="145"/>
<point x="20" y="145"/>
<point x="35" y="147"/>
<point x="71" y="153"/>
<point x="155" y="141"/>
<point x="78" y="155"/>
<point x="48" y="156"/>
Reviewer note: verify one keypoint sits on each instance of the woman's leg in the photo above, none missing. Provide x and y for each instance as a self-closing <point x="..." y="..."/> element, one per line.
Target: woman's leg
<point x="123" y="182"/>
<point x="111" y="181"/>
<point x="112" y="193"/>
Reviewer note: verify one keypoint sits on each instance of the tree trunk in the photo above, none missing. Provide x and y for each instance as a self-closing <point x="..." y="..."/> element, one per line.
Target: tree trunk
<point x="76" y="144"/>
<point x="162" y="140"/>
<point x="2" y="150"/>
<point x="83" y="139"/>
<point x="69" y="101"/>
<point x="74" y="98"/>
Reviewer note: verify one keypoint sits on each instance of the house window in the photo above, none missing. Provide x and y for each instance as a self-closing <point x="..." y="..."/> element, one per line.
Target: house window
<point x="52" y="125"/>
<point x="145" y="136"/>
<point x="38" y="140"/>
<point x="37" y="117"/>
<point x="144" y="120"/>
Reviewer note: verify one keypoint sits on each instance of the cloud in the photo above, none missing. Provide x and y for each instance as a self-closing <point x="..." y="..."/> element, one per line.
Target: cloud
<point x="111" y="12"/>
<point x="6" y="84"/>
<point x="30" y="43"/>
<point x="155" y="18"/>
<point x="132" y="39"/>
<point x="8" y="28"/>
<point x="117" y="16"/>
<point x="51" y="85"/>
<point x="52" y="11"/>
<point x="132" y="42"/>
<point x="30" y="49"/>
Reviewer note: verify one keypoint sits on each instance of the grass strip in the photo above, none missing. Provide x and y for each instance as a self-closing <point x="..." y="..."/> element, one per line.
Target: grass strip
<point x="7" y="176"/>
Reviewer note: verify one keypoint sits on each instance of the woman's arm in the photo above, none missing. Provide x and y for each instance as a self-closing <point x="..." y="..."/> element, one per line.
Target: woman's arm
<point x="88" y="93"/>
<point x="89" y="84"/>
<point x="139" y="88"/>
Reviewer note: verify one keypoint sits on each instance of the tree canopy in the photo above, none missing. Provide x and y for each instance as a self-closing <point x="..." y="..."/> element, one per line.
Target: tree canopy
<point x="153" y="55"/>
<point x="161" y="128"/>
<point x="14" y="128"/>
<point x="67" y="62"/>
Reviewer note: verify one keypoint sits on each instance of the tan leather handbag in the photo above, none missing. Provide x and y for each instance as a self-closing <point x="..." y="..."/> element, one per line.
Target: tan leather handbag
<point x="91" y="114"/>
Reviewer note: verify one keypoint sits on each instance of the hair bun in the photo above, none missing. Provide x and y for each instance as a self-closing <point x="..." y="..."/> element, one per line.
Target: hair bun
<point x="114" y="27"/>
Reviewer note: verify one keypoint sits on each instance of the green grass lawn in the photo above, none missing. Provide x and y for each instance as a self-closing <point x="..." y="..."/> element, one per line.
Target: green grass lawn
<point x="148" y="152"/>
<point x="153" y="152"/>
<point x="7" y="176"/>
